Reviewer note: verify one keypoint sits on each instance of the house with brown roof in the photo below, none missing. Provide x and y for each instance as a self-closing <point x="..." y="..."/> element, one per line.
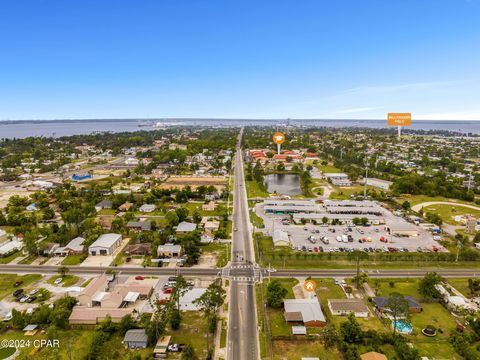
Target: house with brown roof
<point x="344" y="307"/>
<point x="373" y="355"/>
<point x="99" y="284"/>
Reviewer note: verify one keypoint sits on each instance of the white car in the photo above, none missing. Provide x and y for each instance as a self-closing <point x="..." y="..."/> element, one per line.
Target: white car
<point x="339" y="238"/>
<point x="58" y="281"/>
<point x="33" y="292"/>
<point x="271" y="270"/>
<point x="437" y="238"/>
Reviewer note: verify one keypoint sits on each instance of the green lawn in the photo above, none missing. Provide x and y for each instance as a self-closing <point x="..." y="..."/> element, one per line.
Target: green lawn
<point x="84" y="284"/>
<point x="433" y="314"/>
<point x="417" y="199"/>
<point x="42" y="295"/>
<point x="461" y="285"/>
<point x="106" y="212"/>
<point x="7" y="259"/>
<point x="7" y="281"/>
<point x="192" y="206"/>
<point x="28" y="260"/>
<point x="447" y="212"/>
<point x="254" y="190"/>
<point x="68" y="280"/>
<point x="193" y="331"/>
<point x="220" y="250"/>
<point x="328" y="168"/>
<point x="74" y="259"/>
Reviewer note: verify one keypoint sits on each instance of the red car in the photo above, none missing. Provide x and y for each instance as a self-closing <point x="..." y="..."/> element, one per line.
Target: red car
<point x="167" y="291"/>
<point x="139" y="277"/>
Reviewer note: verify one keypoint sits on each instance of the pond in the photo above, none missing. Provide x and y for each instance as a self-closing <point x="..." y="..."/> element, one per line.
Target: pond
<point x="284" y="184"/>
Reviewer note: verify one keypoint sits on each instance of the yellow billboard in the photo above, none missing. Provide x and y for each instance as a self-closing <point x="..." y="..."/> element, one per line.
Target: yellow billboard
<point x="399" y="119"/>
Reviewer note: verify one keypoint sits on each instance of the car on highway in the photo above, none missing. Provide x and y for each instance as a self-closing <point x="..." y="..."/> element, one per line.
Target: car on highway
<point x="235" y="229"/>
<point x="271" y="270"/>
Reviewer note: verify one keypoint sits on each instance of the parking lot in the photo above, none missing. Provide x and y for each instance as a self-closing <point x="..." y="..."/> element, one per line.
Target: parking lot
<point x="310" y="237"/>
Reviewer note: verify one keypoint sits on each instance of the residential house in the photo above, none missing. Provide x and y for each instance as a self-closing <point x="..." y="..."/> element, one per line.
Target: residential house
<point x="381" y="305"/>
<point x="211" y="226"/>
<point x="304" y="311"/>
<point x="75" y="246"/>
<point x="104" y="204"/>
<point x="147" y="208"/>
<point x="210" y="206"/>
<point x="49" y="249"/>
<point x="206" y="238"/>
<point x="106" y="244"/>
<point x="140" y="225"/>
<point x="169" y="250"/>
<point x="125" y="206"/>
<point x="186" y="227"/>
<point x="343" y="307"/>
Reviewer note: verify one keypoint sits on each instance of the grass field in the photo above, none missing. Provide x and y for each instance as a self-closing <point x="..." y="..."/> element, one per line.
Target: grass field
<point x="220" y="250"/>
<point x="193" y="331"/>
<point x="447" y="212"/>
<point x="254" y="190"/>
<point x="7" y="259"/>
<point x="328" y="169"/>
<point x="461" y="285"/>
<point x="74" y="259"/>
<point x="433" y="314"/>
<point x="7" y="281"/>
<point x="68" y="280"/>
<point x="417" y="199"/>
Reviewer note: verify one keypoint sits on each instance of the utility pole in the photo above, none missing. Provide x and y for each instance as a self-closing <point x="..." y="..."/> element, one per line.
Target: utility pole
<point x="366" y="178"/>
<point x="470" y="180"/>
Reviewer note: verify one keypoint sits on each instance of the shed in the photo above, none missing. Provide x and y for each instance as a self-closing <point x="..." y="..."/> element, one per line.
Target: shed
<point x="135" y="339"/>
<point x="299" y="330"/>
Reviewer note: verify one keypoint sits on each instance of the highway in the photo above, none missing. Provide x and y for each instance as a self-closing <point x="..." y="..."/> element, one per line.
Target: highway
<point x="242" y="341"/>
<point x="241" y="272"/>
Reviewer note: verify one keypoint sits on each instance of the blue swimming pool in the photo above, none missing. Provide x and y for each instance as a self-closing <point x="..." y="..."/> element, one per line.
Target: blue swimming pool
<point x="403" y="326"/>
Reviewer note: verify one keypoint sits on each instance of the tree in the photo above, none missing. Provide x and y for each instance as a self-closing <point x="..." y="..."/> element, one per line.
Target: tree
<point x="63" y="270"/>
<point x="189" y="353"/>
<point x="172" y="218"/>
<point x="329" y="337"/>
<point x="209" y="303"/>
<point x="126" y="323"/>
<point x="180" y="288"/>
<point x="427" y="288"/>
<point x="196" y="216"/>
<point x="175" y="319"/>
<point x="350" y="330"/>
<point x="406" y="205"/>
<point x="398" y="307"/>
<point x="275" y="294"/>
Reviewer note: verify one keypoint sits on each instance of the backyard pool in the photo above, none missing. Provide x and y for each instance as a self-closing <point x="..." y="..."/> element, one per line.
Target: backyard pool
<point x="402" y="326"/>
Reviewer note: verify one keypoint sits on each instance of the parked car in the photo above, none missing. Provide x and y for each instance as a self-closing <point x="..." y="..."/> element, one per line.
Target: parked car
<point x="17" y="292"/>
<point x="139" y="277"/>
<point x="18" y="283"/>
<point x="31" y="299"/>
<point x="58" y="281"/>
<point x="167" y="290"/>
<point x="33" y="292"/>
<point x="175" y="347"/>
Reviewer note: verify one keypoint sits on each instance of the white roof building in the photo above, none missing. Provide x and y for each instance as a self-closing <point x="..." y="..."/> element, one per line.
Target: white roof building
<point x="106" y="244"/>
<point x="187" y="300"/>
<point x="280" y="238"/>
<point x="10" y="246"/>
<point x="185" y="226"/>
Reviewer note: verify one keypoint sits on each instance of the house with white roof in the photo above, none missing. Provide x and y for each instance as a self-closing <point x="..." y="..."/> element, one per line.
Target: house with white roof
<point x="306" y="311"/>
<point x="185" y="227"/>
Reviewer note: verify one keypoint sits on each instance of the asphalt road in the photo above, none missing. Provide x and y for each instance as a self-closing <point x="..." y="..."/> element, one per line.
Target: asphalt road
<point x="242" y="339"/>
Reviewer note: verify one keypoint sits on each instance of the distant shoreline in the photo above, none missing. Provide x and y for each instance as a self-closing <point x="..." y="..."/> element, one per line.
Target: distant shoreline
<point x="45" y="121"/>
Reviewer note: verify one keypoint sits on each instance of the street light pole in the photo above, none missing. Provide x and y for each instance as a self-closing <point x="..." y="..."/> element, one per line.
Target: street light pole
<point x="366" y="178"/>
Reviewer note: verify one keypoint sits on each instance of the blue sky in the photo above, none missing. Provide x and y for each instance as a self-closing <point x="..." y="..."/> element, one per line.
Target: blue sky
<point x="255" y="59"/>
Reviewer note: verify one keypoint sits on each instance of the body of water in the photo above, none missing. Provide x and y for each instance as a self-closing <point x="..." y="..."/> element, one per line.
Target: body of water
<point x="59" y="128"/>
<point x="283" y="184"/>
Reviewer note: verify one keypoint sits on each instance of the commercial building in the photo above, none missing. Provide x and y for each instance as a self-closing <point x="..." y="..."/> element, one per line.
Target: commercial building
<point x="280" y="238"/>
<point x="106" y="244"/>
<point x="289" y="206"/>
<point x="379" y="183"/>
<point x="338" y="179"/>
<point x="402" y="229"/>
<point x="305" y="311"/>
<point x="344" y="307"/>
